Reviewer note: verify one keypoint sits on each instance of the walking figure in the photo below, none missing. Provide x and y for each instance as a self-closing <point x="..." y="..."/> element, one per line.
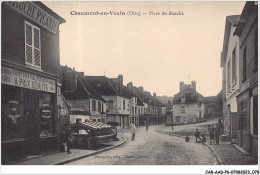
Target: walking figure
<point x="211" y="134"/>
<point x="197" y="135"/>
<point x="147" y="126"/>
<point x="132" y="128"/>
<point x="217" y="133"/>
<point x="69" y="143"/>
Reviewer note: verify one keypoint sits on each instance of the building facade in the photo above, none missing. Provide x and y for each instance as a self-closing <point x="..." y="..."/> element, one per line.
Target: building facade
<point x="247" y="99"/>
<point x="188" y="105"/>
<point x="30" y="73"/>
<point x="86" y="104"/>
<point x="230" y="65"/>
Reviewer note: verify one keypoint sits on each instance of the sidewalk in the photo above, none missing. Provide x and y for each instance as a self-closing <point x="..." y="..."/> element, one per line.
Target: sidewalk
<point x="225" y="153"/>
<point x="61" y="158"/>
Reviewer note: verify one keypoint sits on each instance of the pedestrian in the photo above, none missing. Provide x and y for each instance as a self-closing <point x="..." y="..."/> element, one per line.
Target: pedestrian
<point x="147" y="125"/>
<point x="132" y="128"/>
<point x="69" y="143"/>
<point x="217" y="133"/>
<point x="211" y="134"/>
<point x="187" y="139"/>
<point x="197" y="135"/>
<point x="203" y="140"/>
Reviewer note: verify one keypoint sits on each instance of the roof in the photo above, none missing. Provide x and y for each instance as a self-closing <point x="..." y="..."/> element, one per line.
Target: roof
<point x="91" y="125"/>
<point x="146" y="97"/>
<point x="107" y="87"/>
<point x="84" y="90"/>
<point x="230" y="20"/>
<point x="249" y="7"/>
<point x="48" y="10"/>
<point x="190" y="94"/>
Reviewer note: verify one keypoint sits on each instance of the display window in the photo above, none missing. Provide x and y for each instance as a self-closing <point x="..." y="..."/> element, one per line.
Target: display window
<point x="12" y="119"/>
<point x="46" y="115"/>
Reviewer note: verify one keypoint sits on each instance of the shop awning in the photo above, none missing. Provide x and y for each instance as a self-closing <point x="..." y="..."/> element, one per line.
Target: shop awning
<point x="91" y="125"/>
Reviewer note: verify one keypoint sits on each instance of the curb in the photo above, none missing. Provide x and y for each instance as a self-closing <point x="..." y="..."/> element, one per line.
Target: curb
<point x="90" y="154"/>
<point x="212" y="150"/>
<point x="241" y="149"/>
<point x="218" y="159"/>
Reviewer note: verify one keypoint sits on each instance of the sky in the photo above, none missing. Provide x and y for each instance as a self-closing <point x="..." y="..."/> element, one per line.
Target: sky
<point x="153" y="51"/>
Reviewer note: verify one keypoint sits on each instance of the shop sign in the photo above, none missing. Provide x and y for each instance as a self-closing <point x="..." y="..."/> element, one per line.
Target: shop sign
<point x="36" y="14"/>
<point x="27" y="80"/>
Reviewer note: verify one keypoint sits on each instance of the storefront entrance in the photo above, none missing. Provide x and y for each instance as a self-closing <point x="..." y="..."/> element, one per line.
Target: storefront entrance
<point x="32" y="117"/>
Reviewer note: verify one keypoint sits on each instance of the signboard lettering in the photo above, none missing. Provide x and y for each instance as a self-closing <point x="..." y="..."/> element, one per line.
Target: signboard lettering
<point x="27" y="80"/>
<point x="35" y="13"/>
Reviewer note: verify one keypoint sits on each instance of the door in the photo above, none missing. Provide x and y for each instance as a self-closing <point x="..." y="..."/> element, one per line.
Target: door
<point x="32" y="120"/>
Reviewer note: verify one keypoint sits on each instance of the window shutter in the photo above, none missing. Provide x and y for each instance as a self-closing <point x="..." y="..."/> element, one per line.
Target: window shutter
<point x="28" y="41"/>
<point x="37" y="55"/>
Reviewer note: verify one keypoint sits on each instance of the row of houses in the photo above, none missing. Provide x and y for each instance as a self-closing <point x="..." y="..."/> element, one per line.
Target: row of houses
<point x="239" y="63"/>
<point x="103" y="99"/>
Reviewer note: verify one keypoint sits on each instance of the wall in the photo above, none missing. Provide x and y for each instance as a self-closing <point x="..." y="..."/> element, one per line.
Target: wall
<point x="80" y="104"/>
<point x="13" y="41"/>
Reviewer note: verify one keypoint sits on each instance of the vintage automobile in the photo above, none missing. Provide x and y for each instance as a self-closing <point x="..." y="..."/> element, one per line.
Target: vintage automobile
<point x="90" y="135"/>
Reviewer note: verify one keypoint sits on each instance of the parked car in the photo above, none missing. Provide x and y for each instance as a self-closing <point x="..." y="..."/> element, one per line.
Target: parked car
<point x="89" y="135"/>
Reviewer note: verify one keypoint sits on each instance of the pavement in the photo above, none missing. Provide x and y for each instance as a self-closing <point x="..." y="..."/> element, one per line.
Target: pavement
<point x="152" y="148"/>
<point x="60" y="158"/>
<point x="226" y="153"/>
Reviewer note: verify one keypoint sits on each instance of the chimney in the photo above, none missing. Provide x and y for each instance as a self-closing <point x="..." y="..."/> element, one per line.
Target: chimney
<point x="154" y="94"/>
<point x="193" y="85"/>
<point x="130" y="85"/>
<point x="120" y="82"/>
<point x="70" y="82"/>
<point x="181" y="85"/>
<point x="141" y="88"/>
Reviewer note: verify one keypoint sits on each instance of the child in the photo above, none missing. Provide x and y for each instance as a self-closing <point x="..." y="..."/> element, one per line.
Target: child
<point x="187" y="139"/>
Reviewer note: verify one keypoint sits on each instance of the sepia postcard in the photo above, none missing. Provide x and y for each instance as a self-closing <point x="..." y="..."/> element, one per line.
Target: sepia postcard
<point x="135" y="83"/>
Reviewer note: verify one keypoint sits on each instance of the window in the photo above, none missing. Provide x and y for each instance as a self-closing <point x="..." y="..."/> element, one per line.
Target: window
<point x="244" y="64"/>
<point x="123" y="104"/>
<point x="200" y="114"/>
<point x="234" y="71"/>
<point x="102" y="108"/>
<point x="98" y="120"/>
<point x="256" y="48"/>
<point x="32" y="45"/>
<point x="110" y="104"/>
<point x="78" y="120"/>
<point x="12" y="113"/>
<point x="94" y="120"/>
<point x="86" y="120"/>
<point x="46" y="111"/>
<point x="99" y="106"/>
<point x="244" y="119"/>
<point x="228" y="74"/>
<point x="133" y="110"/>
<point x="182" y="109"/>
<point x="93" y="105"/>
<point x="178" y="118"/>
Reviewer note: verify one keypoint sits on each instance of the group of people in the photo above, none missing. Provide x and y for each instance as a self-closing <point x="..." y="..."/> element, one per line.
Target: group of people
<point x="214" y="133"/>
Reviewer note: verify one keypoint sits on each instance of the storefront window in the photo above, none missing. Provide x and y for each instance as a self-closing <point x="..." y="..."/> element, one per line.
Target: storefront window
<point x="12" y="118"/>
<point x="46" y="115"/>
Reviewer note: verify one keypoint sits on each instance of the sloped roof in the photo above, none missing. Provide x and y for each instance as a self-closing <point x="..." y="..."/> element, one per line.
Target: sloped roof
<point x="190" y="93"/>
<point x="84" y="90"/>
<point x="250" y="6"/>
<point x="107" y="87"/>
<point x="230" y="20"/>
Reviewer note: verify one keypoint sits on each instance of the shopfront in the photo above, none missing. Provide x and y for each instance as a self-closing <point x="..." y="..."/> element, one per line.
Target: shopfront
<point x="29" y="114"/>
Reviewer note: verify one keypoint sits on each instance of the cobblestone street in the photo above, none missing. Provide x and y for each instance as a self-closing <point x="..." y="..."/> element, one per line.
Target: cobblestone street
<point x="152" y="148"/>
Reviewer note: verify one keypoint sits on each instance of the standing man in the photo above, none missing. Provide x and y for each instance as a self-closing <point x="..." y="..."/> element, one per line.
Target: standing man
<point x="217" y="132"/>
<point x="132" y="128"/>
<point x="211" y="134"/>
<point x="197" y="135"/>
